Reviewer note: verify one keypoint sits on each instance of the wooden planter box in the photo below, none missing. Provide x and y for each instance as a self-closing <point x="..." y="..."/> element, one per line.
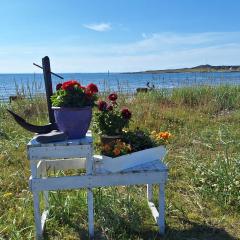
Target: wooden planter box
<point x="118" y="164"/>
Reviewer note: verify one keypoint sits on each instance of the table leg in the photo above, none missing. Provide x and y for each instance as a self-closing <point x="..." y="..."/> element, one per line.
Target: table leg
<point x="37" y="215"/>
<point x="161" y="218"/>
<point x="90" y="213"/>
<point x="45" y="193"/>
<point x="149" y="192"/>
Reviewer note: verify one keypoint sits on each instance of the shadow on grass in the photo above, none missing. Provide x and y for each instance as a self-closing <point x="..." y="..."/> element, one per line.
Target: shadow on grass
<point x="76" y="227"/>
<point x="196" y="231"/>
<point x="130" y="219"/>
<point x="192" y="231"/>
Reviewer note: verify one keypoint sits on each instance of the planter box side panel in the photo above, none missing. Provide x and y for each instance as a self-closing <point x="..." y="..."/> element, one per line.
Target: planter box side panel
<point x="134" y="159"/>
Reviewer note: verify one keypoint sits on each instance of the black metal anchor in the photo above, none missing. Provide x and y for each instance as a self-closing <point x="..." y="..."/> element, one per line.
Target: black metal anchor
<point x="49" y="92"/>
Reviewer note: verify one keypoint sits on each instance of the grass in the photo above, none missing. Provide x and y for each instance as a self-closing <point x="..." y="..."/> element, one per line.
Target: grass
<point x="202" y="194"/>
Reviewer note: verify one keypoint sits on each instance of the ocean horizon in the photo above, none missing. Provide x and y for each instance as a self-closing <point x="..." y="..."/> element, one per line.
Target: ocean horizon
<point x="14" y="83"/>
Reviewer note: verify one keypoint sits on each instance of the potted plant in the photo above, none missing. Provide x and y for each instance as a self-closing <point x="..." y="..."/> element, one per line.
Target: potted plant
<point x="135" y="148"/>
<point x="72" y="105"/>
<point x="110" y="120"/>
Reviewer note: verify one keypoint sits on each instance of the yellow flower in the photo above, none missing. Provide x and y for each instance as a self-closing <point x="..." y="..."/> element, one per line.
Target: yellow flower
<point x="9" y="194"/>
<point x="129" y="147"/>
<point x="153" y="133"/>
<point x="158" y="137"/>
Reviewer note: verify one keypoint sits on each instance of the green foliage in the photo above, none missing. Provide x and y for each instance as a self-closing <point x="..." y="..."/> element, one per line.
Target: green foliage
<point x="210" y="98"/>
<point x="73" y="98"/>
<point x="109" y="122"/>
<point x="220" y="178"/>
<point x="202" y="154"/>
<point x="139" y="140"/>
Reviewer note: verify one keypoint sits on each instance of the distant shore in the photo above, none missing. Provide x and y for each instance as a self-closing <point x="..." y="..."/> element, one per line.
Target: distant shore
<point x="200" y="68"/>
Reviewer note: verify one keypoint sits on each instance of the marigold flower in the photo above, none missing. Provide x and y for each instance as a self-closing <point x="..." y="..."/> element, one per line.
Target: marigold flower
<point x="106" y="148"/>
<point x="126" y="113"/>
<point x="164" y="135"/>
<point x="113" y="97"/>
<point x="116" y="151"/>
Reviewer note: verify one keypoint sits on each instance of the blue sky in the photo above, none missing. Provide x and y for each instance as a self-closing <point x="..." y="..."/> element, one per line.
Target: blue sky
<point x="123" y="35"/>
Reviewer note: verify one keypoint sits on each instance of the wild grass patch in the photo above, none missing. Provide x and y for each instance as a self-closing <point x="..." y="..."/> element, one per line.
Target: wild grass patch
<point x="202" y="193"/>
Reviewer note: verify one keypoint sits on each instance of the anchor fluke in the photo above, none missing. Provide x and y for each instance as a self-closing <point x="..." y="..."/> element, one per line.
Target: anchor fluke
<point x="33" y="128"/>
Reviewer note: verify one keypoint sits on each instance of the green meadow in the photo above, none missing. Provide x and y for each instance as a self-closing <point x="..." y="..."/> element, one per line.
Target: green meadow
<point x="203" y="189"/>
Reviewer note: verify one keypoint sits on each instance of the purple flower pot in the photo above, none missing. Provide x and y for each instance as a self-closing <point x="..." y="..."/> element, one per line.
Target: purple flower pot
<point x="73" y="121"/>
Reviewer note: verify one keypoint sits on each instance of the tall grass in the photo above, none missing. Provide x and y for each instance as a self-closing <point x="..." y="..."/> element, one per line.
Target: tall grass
<point x="211" y="98"/>
<point x="202" y="193"/>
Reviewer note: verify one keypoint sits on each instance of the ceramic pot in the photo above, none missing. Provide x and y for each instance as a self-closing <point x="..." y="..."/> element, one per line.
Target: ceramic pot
<point x="74" y="122"/>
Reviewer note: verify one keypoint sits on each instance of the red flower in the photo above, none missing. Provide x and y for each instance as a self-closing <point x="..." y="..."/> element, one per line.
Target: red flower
<point x="126" y="113"/>
<point x="109" y="107"/>
<point x="92" y="88"/>
<point x="113" y="97"/>
<point x="88" y="92"/>
<point x="102" y="105"/>
<point x="59" y="86"/>
<point x="70" y="85"/>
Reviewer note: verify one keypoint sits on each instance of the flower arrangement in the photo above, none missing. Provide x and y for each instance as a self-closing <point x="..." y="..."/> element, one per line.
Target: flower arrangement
<point x="117" y="149"/>
<point x="73" y="94"/>
<point x="110" y="119"/>
<point x="134" y="141"/>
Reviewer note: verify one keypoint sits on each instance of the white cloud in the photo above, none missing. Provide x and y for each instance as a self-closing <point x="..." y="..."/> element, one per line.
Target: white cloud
<point x="100" y="27"/>
<point x="155" y="51"/>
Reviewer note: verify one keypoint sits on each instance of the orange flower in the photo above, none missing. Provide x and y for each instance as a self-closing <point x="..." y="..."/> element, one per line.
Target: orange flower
<point x="164" y="135"/>
<point x="106" y="148"/>
<point x="116" y="151"/>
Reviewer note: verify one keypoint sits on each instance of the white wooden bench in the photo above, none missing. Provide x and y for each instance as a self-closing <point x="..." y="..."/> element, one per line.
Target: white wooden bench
<point x="77" y="154"/>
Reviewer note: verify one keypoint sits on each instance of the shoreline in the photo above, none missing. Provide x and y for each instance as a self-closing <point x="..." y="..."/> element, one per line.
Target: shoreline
<point x="198" y="69"/>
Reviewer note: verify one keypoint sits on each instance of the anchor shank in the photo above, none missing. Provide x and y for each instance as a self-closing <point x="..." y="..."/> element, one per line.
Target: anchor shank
<point x="48" y="86"/>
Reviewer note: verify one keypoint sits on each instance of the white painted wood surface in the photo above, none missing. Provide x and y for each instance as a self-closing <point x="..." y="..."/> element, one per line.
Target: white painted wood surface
<point x="57" y="152"/>
<point x="90" y="213"/>
<point x="76" y="182"/>
<point x="131" y="160"/>
<point x="154" y="172"/>
<point x="161" y="203"/>
<point x="70" y="154"/>
<point x="70" y="142"/>
<point x="149" y="192"/>
<point x="37" y="215"/>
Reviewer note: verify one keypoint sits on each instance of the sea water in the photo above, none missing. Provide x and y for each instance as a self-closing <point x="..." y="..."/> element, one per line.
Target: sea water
<point x="33" y="83"/>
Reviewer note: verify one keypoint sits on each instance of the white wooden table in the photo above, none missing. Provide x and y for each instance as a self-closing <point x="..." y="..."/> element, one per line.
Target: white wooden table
<point x="76" y="154"/>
